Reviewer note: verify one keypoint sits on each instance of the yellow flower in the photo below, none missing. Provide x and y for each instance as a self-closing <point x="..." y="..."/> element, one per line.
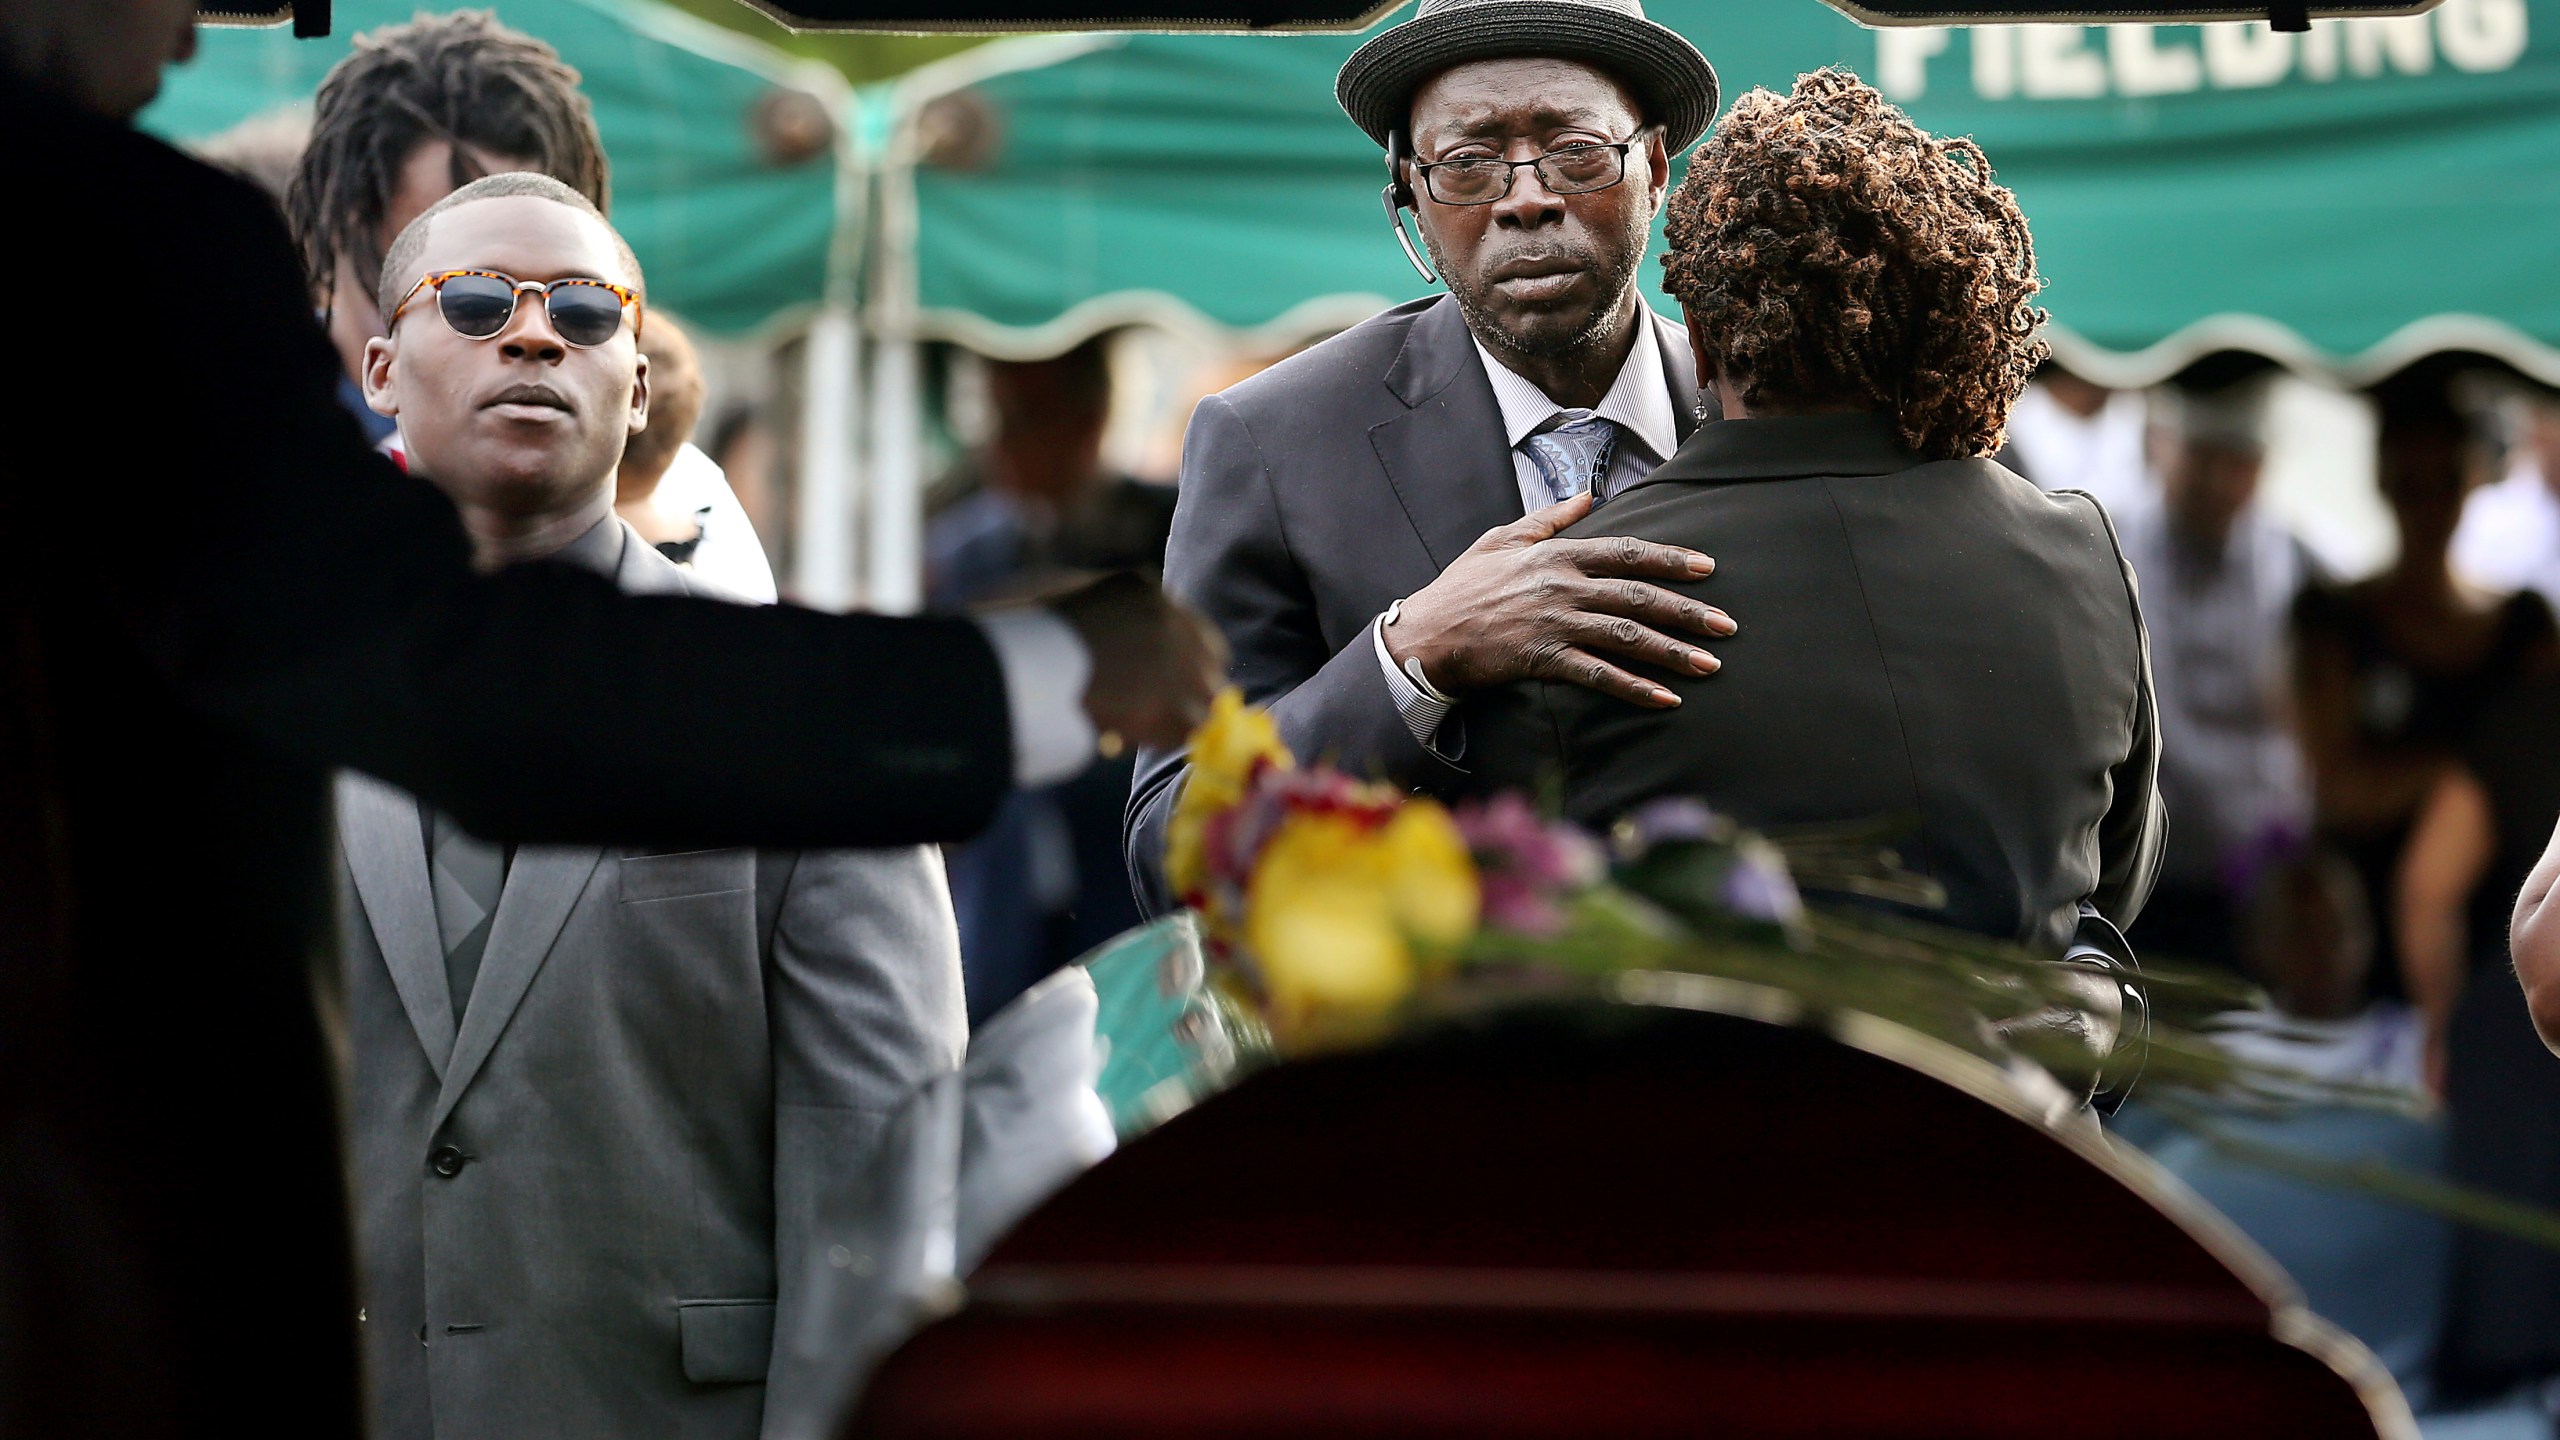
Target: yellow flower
<point x="1321" y="923"/>
<point x="1354" y="891"/>
<point x="1223" y="752"/>
<point x="1431" y="879"/>
<point x="1225" y="748"/>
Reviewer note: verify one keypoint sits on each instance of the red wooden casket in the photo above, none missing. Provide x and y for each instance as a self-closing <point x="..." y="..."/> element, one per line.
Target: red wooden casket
<point x="1614" y="1220"/>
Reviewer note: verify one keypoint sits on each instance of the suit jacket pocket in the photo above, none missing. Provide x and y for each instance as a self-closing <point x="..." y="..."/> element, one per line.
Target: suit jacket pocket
<point x="726" y="1342"/>
<point x="689" y="872"/>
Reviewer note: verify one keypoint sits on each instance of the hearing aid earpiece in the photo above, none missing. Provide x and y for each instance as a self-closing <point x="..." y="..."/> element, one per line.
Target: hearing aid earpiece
<point x="1398" y="197"/>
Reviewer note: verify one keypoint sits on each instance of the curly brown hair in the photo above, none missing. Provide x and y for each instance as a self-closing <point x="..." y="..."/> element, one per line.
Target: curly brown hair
<point x="1829" y="250"/>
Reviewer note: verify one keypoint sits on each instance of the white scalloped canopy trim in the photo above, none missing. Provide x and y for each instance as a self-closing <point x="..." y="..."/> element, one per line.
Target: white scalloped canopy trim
<point x="1313" y="319"/>
<point x="2281" y="343"/>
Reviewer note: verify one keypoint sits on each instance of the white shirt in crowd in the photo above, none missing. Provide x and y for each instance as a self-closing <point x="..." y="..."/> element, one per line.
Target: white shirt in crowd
<point x="695" y="491"/>
<point x="2230" y="768"/>
<point x="2101" y="455"/>
<point x="1638" y="403"/>
<point x="2509" y="538"/>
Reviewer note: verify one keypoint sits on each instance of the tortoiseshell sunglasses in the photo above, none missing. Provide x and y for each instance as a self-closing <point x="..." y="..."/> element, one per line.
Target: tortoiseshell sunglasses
<point x="479" y="303"/>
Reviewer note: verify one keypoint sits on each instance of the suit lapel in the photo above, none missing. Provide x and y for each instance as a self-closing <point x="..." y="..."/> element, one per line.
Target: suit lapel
<point x="387" y="854"/>
<point x="1444" y="456"/>
<point x="543" y="886"/>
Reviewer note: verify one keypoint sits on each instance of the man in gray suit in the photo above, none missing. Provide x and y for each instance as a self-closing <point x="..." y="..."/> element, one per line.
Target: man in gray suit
<point x="1369" y="522"/>
<point x="599" y="1094"/>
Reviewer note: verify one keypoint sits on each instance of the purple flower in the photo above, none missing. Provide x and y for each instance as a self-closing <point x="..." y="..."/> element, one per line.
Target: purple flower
<point x="1758" y="886"/>
<point x="1672" y="819"/>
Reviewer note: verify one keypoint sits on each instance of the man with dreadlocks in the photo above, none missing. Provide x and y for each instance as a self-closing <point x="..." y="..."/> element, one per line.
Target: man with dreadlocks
<point x="1932" y="638"/>
<point x="414" y="113"/>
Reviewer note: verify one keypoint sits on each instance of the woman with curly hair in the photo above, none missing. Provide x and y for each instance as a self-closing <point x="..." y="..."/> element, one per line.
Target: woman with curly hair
<point x="1931" y="640"/>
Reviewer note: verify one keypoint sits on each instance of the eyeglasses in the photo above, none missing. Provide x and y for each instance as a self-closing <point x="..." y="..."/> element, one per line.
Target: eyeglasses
<point x="478" y="304"/>
<point x="1570" y="170"/>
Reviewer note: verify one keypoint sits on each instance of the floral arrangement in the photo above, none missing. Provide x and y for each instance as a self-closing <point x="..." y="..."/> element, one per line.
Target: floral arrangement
<point x="1334" y="910"/>
<point x="1332" y="907"/>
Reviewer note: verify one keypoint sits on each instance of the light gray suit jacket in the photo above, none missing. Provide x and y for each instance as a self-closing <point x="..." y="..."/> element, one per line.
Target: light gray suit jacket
<point x="582" y="1202"/>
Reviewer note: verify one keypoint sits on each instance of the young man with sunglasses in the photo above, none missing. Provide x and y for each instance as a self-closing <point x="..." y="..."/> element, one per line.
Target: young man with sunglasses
<point x="1364" y="521"/>
<point x="599" y="1095"/>
<point x="415" y="111"/>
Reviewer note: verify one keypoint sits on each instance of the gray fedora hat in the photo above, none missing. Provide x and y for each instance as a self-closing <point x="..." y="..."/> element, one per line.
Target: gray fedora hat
<point x="1670" y="78"/>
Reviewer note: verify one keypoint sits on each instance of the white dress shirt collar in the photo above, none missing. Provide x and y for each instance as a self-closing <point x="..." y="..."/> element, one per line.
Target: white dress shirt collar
<point x="1638" y="402"/>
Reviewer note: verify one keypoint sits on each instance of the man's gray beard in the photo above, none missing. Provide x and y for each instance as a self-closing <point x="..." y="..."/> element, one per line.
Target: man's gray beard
<point x="1597" y="328"/>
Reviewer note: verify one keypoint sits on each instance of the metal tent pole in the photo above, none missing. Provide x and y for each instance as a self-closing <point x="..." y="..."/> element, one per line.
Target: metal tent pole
<point x="825" y="570"/>
<point x="893" y="551"/>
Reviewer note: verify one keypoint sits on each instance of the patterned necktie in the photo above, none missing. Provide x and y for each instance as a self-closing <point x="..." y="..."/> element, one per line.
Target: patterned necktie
<point x="467" y="875"/>
<point x="1573" y="452"/>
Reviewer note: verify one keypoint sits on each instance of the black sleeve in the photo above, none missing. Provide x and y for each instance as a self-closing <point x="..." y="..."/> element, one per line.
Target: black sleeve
<point x="297" y="586"/>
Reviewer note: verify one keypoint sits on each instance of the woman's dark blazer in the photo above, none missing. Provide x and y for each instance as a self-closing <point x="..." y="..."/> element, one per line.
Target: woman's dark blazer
<point x="1935" y="641"/>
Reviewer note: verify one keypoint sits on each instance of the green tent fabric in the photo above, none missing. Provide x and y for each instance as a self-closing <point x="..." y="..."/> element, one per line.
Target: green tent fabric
<point x="2343" y="201"/>
<point x="729" y="240"/>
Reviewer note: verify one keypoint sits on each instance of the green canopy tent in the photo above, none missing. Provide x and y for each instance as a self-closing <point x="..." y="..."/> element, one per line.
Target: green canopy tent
<point x="2342" y="201"/>
<point x="732" y="240"/>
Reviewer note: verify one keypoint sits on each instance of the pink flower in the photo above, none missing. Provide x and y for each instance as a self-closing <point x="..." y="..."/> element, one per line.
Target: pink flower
<point x="1526" y="863"/>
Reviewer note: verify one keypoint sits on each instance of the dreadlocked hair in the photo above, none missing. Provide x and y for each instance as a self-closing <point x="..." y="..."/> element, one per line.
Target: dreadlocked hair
<point x="461" y="78"/>
<point x="1830" y="250"/>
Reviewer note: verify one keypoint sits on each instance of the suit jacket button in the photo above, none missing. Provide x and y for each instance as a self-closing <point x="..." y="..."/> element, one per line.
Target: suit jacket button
<point x="447" y="1160"/>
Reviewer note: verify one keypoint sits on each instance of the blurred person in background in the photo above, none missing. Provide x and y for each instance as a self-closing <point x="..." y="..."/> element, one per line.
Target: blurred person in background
<point x="265" y="150"/>
<point x="735" y="1025"/>
<point x="2471" y="863"/>
<point x="2307" y="936"/>
<point x="672" y="493"/>
<point x="741" y="442"/>
<point x="1029" y="505"/>
<point x="2392" y="673"/>
<point x="2067" y="433"/>
<point x="2470" y="856"/>
<point x="2375" y="1267"/>
<point x="1034" y="500"/>
<point x="2218" y="581"/>
<point x="2509" y="538"/>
